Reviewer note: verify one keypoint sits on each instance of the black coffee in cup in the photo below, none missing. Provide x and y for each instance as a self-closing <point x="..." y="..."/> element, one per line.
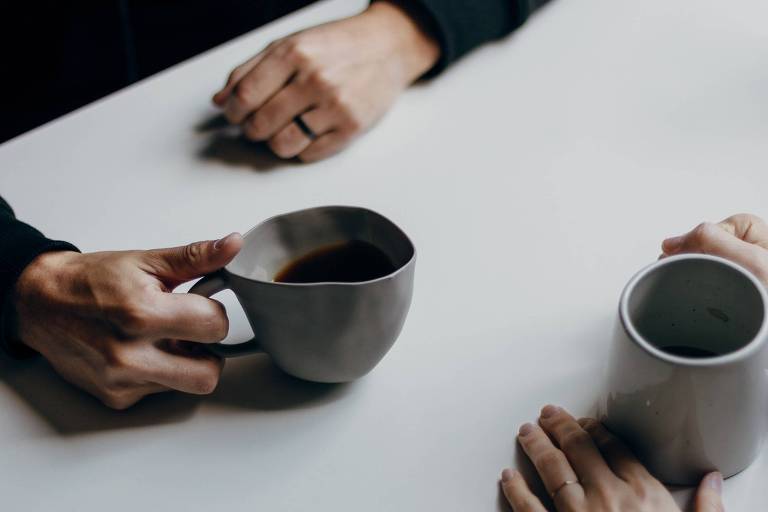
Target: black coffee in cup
<point x="688" y="351"/>
<point x="346" y="262"/>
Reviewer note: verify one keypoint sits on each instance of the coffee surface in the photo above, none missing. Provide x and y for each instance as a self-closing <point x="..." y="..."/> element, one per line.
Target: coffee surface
<point x="688" y="351"/>
<point x="347" y="262"/>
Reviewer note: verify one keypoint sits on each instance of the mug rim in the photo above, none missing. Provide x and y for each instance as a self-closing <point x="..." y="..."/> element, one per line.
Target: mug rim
<point x="391" y="275"/>
<point x="749" y="349"/>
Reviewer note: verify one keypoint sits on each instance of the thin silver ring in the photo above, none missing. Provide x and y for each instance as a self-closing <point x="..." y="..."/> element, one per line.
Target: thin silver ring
<point x="306" y="130"/>
<point x="563" y="486"/>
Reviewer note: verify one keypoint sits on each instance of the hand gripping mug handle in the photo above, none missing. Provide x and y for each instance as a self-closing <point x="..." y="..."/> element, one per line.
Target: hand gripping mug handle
<point x="210" y="285"/>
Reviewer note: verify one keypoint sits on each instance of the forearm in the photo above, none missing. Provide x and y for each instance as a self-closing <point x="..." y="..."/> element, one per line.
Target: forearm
<point x="20" y="243"/>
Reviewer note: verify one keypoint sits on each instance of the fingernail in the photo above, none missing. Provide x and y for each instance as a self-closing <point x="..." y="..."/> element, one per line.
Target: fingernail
<point x="715" y="482"/>
<point x="549" y="410"/>
<point x="672" y="243"/>
<point x="526" y="429"/>
<point x="218" y="244"/>
<point x="507" y="475"/>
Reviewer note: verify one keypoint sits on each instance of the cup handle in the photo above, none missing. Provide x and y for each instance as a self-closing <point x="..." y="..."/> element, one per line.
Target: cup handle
<point x="210" y="285"/>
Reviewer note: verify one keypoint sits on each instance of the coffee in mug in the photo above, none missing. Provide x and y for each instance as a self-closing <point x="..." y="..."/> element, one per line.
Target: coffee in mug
<point x="345" y="262"/>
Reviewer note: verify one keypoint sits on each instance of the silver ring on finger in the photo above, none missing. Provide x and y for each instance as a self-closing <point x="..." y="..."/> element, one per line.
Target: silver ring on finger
<point x="563" y="486"/>
<point x="305" y="129"/>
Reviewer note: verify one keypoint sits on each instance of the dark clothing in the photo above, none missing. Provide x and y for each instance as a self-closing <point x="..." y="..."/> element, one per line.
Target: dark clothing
<point x="461" y="25"/>
<point x="20" y="243"/>
<point x="58" y="56"/>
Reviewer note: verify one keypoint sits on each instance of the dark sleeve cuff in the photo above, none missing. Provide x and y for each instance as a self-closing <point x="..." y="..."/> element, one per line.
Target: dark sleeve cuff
<point x="20" y="243"/>
<point x="461" y="25"/>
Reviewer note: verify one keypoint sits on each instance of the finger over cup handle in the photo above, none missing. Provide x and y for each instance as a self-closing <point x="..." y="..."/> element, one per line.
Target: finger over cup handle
<point x="208" y="286"/>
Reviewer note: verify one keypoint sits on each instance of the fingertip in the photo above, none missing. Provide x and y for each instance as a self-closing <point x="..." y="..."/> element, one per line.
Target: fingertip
<point x="230" y="241"/>
<point x="220" y="97"/>
<point x="525" y="429"/>
<point x="507" y="475"/>
<point x="672" y="244"/>
<point x="714" y="481"/>
<point x="548" y="411"/>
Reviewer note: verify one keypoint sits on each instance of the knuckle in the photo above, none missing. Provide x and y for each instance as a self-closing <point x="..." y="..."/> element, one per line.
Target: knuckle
<point x="116" y="360"/>
<point x="548" y="461"/>
<point x="608" y="498"/>
<point x="133" y="319"/>
<point x="194" y="254"/>
<point x="742" y="218"/>
<point x="219" y="324"/>
<point x="233" y="75"/>
<point x="308" y="157"/>
<point x="298" y="51"/>
<point x="338" y="102"/>
<point x="257" y="126"/>
<point x="352" y="123"/>
<point x="117" y="400"/>
<point x="702" y="233"/>
<point x="604" y="442"/>
<point x="320" y="81"/>
<point x="281" y="147"/>
<point x="242" y="93"/>
<point x="206" y="383"/>
<point x="574" y="439"/>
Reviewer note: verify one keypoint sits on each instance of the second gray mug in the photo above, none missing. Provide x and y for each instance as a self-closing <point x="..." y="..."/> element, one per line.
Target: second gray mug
<point x="325" y="331"/>
<point x="686" y="378"/>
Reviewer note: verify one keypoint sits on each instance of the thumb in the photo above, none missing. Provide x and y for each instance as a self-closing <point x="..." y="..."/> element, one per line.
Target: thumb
<point x="175" y="265"/>
<point x="708" y="495"/>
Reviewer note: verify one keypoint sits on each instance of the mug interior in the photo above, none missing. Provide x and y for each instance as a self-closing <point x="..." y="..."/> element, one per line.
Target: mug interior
<point x="275" y="243"/>
<point x="696" y="308"/>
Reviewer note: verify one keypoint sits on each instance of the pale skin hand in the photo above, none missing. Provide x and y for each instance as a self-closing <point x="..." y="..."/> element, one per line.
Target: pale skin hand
<point x="741" y="238"/>
<point x="108" y="323"/>
<point x="340" y="77"/>
<point x="610" y="478"/>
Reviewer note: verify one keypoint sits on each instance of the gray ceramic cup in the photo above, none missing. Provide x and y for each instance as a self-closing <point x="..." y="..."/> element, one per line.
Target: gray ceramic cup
<point x="683" y="413"/>
<point x="323" y="332"/>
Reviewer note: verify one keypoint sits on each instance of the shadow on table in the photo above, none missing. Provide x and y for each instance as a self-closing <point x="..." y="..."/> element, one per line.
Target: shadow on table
<point x="226" y="145"/>
<point x="251" y="383"/>
<point x="255" y="383"/>
<point x="70" y="411"/>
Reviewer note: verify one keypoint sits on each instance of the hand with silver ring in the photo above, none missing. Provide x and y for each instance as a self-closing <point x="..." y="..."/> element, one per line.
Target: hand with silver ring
<point x="585" y="468"/>
<point x="310" y="94"/>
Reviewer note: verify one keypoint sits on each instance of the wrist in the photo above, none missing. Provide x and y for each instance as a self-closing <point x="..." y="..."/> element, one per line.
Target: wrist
<point x="417" y="49"/>
<point x="38" y="282"/>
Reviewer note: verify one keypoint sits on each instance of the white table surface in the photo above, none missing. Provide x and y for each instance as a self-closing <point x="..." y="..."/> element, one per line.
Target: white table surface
<point x="535" y="177"/>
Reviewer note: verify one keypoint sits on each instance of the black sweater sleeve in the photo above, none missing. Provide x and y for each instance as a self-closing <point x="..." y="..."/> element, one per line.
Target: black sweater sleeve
<point x="461" y="25"/>
<point x="20" y="243"/>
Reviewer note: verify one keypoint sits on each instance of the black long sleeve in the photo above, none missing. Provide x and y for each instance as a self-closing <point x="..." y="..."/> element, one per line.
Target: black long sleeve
<point x="20" y="243"/>
<point x="461" y="25"/>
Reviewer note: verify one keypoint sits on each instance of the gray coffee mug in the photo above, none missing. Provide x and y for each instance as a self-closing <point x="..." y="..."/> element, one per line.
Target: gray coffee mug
<point x="686" y="377"/>
<point x="326" y="331"/>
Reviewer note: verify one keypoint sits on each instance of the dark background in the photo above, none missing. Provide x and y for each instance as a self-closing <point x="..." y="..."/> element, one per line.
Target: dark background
<point x="58" y="56"/>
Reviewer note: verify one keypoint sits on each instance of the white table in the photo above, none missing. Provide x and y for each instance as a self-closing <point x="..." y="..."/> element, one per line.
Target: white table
<point x="535" y="177"/>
